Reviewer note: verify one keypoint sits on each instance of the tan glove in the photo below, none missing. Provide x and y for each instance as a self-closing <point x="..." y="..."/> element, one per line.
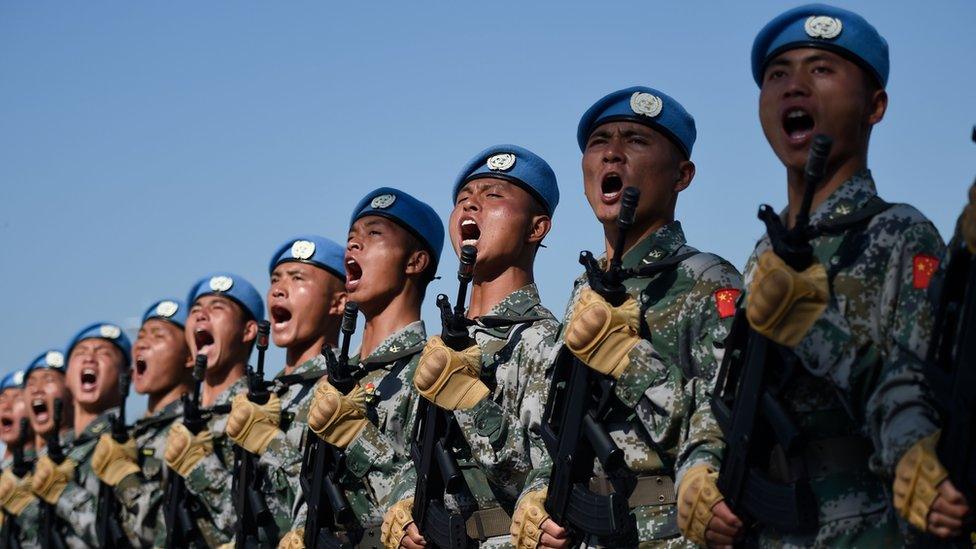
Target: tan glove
<point x="184" y="449"/>
<point x="293" y="540"/>
<point x="697" y="495"/>
<point x="15" y="493"/>
<point x="917" y="476"/>
<point x="395" y="523"/>
<point x="112" y="461"/>
<point x="602" y="335"/>
<point x="967" y="221"/>
<point x="252" y="426"/>
<point x="448" y="378"/>
<point x="337" y="418"/>
<point x="528" y="518"/>
<point x="783" y="304"/>
<point x="50" y="479"/>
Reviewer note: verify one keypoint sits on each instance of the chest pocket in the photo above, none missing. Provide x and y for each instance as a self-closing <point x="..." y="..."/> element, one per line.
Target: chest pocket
<point x="383" y="409"/>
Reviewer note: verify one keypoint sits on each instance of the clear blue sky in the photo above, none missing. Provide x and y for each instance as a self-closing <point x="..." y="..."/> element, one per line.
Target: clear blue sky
<point x="143" y="144"/>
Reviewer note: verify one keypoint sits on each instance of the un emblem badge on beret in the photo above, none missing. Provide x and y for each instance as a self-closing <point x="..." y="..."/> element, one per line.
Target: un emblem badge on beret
<point x="501" y="162"/>
<point x="822" y="26"/>
<point x="18" y="378"/>
<point x="302" y="249"/>
<point x="166" y="309"/>
<point x="383" y="201"/>
<point x="221" y="283"/>
<point x="109" y="331"/>
<point x="646" y="104"/>
<point x="54" y="359"/>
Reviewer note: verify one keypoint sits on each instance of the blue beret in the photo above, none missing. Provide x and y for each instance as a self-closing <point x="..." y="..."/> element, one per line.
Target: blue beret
<point x="52" y="359"/>
<point x="103" y="330"/>
<point x="314" y="250"/>
<point x="825" y="27"/>
<point x="645" y="106"/>
<point x="408" y="212"/>
<point x="13" y="380"/>
<point x="517" y="165"/>
<point x="170" y="310"/>
<point x="229" y="285"/>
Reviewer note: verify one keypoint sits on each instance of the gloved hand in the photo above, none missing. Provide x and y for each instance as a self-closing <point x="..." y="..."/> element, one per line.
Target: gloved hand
<point x="15" y="493"/>
<point x="528" y="518"/>
<point x="395" y="523"/>
<point x="917" y="476"/>
<point x="967" y="222"/>
<point x="184" y="449"/>
<point x="783" y="304"/>
<point x="448" y="378"/>
<point x="337" y="418"/>
<point x="697" y="495"/>
<point x="293" y="540"/>
<point x="252" y="426"/>
<point x="602" y="335"/>
<point x="50" y="479"/>
<point x="112" y="461"/>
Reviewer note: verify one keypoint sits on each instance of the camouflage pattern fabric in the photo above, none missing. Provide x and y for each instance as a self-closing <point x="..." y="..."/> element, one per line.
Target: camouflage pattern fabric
<point x="376" y="456"/>
<point x="862" y="373"/>
<point x="32" y="530"/>
<point x="27" y="521"/>
<point x="667" y="387"/>
<point x="498" y="449"/>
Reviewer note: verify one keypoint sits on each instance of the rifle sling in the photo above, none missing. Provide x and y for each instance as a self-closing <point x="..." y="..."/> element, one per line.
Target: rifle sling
<point x="650" y="490"/>
<point x="872" y="207"/>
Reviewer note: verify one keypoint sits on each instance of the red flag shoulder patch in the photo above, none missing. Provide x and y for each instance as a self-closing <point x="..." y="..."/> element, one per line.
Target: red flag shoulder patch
<point x="923" y="268"/>
<point x="725" y="299"/>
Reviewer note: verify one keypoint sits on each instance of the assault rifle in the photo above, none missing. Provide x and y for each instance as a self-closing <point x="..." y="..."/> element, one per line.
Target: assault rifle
<point x="10" y="533"/>
<point x="951" y="371"/>
<point x="109" y="530"/>
<point x="181" y="505"/>
<point x="253" y="515"/>
<point x="753" y="373"/>
<point x="328" y="510"/>
<point x="579" y="400"/>
<point x="50" y="534"/>
<point x="434" y="431"/>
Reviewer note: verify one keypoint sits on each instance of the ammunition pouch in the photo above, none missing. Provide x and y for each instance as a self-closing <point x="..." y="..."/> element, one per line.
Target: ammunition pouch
<point x="484" y="524"/>
<point x="822" y="457"/>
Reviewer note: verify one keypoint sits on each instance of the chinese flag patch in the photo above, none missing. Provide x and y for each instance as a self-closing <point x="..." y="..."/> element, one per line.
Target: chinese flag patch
<point x="923" y="267"/>
<point x="725" y="299"/>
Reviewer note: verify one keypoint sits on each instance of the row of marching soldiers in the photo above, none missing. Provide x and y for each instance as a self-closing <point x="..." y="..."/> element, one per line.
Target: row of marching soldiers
<point x="638" y="420"/>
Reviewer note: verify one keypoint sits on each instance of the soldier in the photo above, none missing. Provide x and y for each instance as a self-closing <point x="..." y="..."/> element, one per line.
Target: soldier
<point x="161" y="370"/>
<point x="15" y="483"/>
<point x="44" y="383"/>
<point x="857" y="320"/>
<point x="222" y="325"/>
<point x="504" y="200"/>
<point x="305" y="303"/>
<point x="663" y="345"/>
<point x="392" y="252"/>
<point x="96" y="356"/>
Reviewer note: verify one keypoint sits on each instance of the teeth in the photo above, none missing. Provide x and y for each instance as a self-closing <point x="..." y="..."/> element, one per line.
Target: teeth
<point x="469" y="242"/>
<point x="350" y="261"/>
<point x="467" y="222"/>
<point x="37" y="402"/>
<point x="796" y="114"/>
<point x="88" y="371"/>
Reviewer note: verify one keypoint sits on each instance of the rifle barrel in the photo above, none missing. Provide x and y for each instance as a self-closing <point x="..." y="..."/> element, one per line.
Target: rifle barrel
<point x="348" y="327"/>
<point x="813" y="175"/>
<point x="625" y="220"/>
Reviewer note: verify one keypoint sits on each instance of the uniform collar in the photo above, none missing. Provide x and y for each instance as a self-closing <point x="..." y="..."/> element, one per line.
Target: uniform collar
<point x="851" y="196"/>
<point x="168" y="413"/>
<point x="99" y="425"/>
<point x="516" y="308"/>
<point x="656" y="246"/>
<point x="407" y="341"/>
<point x="239" y="386"/>
<point x="315" y="364"/>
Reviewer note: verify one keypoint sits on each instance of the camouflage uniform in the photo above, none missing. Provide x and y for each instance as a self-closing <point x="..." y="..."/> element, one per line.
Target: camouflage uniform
<point x="666" y="388"/>
<point x="32" y="530"/>
<point x="382" y="449"/>
<point x="78" y="504"/>
<point x="862" y="375"/>
<point x="26" y="521"/>
<point x="498" y="451"/>
<point x="141" y="496"/>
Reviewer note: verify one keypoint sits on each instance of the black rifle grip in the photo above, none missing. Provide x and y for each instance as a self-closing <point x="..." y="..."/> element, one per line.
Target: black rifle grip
<point x="200" y="367"/>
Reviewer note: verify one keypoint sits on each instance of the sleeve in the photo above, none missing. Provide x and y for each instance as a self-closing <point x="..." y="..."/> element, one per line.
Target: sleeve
<point x="281" y="463"/>
<point x="141" y="497"/>
<point x="77" y="508"/>
<point x="212" y="482"/>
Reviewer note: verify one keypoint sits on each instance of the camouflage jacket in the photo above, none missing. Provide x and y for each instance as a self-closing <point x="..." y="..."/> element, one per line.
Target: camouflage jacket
<point x="141" y="495"/>
<point x="686" y="314"/>
<point x="31" y="531"/>
<point x="26" y="521"/>
<point x="78" y="504"/>
<point x="377" y="455"/>
<point x="861" y="373"/>
<point x="499" y="446"/>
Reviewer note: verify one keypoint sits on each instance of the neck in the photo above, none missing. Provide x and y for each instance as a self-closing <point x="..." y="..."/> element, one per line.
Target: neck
<point x="215" y="383"/>
<point x="638" y="232"/>
<point x="835" y="177"/>
<point x="83" y="418"/>
<point x="162" y="399"/>
<point x="304" y="351"/>
<point x="400" y="312"/>
<point x="486" y="293"/>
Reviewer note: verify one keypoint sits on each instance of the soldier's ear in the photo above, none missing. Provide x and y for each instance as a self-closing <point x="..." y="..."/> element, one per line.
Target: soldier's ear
<point x="878" y="104"/>
<point x="540" y="227"/>
<point x="417" y="262"/>
<point x="250" y="331"/>
<point x="337" y="303"/>
<point x="686" y="172"/>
